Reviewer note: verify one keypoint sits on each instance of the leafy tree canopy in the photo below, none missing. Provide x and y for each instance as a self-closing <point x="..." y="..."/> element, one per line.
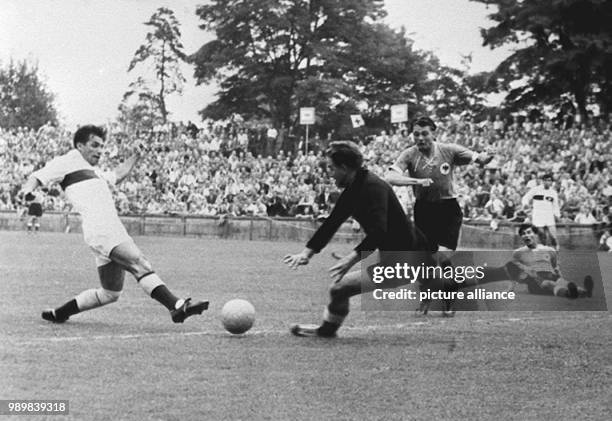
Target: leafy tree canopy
<point x="24" y="98"/>
<point x="271" y="57"/>
<point x="164" y="49"/>
<point x="564" y="47"/>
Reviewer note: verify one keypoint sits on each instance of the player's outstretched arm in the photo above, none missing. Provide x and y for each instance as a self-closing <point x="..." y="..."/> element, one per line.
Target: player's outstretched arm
<point x="124" y="169"/>
<point x="396" y="178"/>
<point x="299" y="259"/>
<point x="484" y="157"/>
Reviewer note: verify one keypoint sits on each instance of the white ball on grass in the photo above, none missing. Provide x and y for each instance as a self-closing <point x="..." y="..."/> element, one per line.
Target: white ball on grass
<point x="237" y="316"/>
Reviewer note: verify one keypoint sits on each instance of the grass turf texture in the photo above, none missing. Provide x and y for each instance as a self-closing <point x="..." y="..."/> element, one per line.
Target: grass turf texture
<point x="128" y="361"/>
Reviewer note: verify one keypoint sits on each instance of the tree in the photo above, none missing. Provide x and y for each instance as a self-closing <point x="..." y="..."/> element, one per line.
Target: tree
<point x="164" y="48"/>
<point x="384" y="69"/>
<point x="24" y="98"/>
<point x="271" y="57"/>
<point x="139" y="110"/>
<point x="566" y="48"/>
<point x="457" y="91"/>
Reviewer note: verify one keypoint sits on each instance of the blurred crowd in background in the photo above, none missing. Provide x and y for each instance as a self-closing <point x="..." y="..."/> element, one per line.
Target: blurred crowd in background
<point x="231" y="169"/>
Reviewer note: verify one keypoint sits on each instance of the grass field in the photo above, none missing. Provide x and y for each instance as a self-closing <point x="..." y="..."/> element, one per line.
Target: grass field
<point x="128" y="361"/>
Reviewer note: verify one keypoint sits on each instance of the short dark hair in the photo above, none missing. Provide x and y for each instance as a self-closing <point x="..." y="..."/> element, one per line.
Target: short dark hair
<point x="547" y="176"/>
<point x="84" y="132"/>
<point x="346" y="153"/>
<point x="525" y="227"/>
<point x="423" y="121"/>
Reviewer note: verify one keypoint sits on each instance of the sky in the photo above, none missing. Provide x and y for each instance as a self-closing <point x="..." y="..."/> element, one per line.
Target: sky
<point x="83" y="47"/>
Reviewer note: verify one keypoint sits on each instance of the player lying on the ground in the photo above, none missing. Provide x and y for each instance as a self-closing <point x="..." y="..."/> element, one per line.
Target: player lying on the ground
<point x="372" y="203"/>
<point x="537" y="266"/>
<point x="86" y="187"/>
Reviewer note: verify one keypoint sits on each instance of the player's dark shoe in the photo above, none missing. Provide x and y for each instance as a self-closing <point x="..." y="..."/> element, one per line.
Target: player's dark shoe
<point x="50" y="316"/>
<point x="588" y="285"/>
<point x="188" y="308"/>
<point x="572" y="290"/>
<point x="310" y="331"/>
<point x="449" y="308"/>
<point x="423" y="308"/>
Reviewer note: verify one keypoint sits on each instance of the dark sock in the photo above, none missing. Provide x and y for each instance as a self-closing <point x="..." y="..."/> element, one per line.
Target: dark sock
<point x="164" y="296"/>
<point x="328" y="329"/>
<point x="67" y="310"/>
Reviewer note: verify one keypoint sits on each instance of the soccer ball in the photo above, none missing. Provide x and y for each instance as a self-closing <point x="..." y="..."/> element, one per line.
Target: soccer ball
<point x="237" y="316"/>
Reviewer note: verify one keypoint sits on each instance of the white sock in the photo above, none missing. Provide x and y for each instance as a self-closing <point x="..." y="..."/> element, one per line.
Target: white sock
<point x="92" y="298"/>
<point x="150" y="282"/>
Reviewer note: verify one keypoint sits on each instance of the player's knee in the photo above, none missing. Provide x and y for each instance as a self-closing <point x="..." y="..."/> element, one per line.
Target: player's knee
<point x="140" y="266"/>
<point x="560" y="291"/>
<point x="107" y="296"/>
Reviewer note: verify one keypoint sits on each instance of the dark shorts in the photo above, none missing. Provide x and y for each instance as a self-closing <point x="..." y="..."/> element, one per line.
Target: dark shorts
<point x="533" y="286"/>
<point x="439" y="221"/>
<point x="35" y="209"/>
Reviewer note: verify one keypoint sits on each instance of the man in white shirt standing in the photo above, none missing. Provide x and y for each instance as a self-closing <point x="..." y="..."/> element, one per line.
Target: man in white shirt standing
<point x="86" y="187"/>
<point x="545" y="208"/>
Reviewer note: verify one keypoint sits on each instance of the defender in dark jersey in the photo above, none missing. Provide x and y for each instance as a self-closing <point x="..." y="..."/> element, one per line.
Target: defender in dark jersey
<point x="436" y="211"/>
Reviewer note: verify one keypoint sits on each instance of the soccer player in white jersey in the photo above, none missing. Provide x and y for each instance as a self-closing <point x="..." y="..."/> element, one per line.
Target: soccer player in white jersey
<point x="545" y="208"/>
<point x="86" y="187"/>
<point x="430" y="166"/>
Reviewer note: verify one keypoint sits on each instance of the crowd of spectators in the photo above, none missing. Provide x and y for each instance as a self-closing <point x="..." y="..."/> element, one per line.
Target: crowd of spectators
<point x="220" y="170"/>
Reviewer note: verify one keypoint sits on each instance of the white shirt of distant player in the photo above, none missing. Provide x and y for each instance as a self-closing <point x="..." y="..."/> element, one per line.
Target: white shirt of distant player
<point x="91" y="198"/>
<point x="545" y="207"/>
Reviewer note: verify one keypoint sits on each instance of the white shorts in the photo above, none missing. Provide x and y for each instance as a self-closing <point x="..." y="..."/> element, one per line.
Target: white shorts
<point x="543" y="219"/>
<point x="103" y="239"/>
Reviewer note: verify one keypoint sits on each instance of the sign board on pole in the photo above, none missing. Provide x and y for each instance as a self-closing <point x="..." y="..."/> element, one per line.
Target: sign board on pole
<point x="307" y="115"/>
<point x="399" y="113"/>
<point x="357" y="120"/>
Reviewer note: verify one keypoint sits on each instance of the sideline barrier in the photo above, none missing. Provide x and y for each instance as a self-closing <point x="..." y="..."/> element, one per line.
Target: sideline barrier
<point x="474" y="234"/>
